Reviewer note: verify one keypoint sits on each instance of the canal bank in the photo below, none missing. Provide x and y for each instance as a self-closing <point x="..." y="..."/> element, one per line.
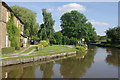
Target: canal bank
<point x="70" y="67"/>
<point x="34" y="59"/>
<point x="106" y="45"/>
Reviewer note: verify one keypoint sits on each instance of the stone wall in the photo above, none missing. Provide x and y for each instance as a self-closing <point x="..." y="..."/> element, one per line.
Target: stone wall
<point x="34" y="59"/>
<point x="0" y="27"/>
<point x="3" y="23"/>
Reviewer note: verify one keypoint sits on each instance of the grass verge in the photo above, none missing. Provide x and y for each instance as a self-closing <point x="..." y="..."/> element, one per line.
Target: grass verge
<point x="28" y="50"/>
<point x="50" y="50"/>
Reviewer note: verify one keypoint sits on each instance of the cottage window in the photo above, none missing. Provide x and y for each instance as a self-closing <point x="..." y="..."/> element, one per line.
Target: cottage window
<point x="6" y="40"/>
<point x="7" y="16"/>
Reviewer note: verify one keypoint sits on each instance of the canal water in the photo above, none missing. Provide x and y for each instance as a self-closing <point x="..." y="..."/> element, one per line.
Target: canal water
<point x="97" y="63"/>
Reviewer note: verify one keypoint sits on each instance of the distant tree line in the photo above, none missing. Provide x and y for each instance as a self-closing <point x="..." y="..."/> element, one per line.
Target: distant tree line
<point x="74" y="27"/>
<point x="113" y="35"/>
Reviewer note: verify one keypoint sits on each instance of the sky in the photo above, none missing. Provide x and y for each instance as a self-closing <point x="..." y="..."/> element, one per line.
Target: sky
<point x="102" y="15"/>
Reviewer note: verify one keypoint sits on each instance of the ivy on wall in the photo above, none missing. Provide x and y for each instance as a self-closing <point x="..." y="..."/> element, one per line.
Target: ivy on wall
<point x="14" y="33"/>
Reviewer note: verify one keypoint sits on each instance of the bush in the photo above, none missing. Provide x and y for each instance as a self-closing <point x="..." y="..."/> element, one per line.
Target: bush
<point x="81" y="48"/>
<point x="44" y="43"/>
<point x="39" y="47"/>
<point x="8" y="50"/>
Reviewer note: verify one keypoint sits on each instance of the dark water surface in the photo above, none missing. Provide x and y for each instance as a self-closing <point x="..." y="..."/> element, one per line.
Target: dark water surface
<point x="97" y="63"/>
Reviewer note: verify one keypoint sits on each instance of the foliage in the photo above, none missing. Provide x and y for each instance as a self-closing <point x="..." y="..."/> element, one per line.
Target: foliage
<point x="82" y="49"/>
<point x="7" y="50"/>
<point x="35" y="31"/>
<point x="58" y="37"/>
<point x="114" y="34"/>
<point x="14" y="33"/>
<point x="42" y="32"/>
<point x="29" y="19"/>
<point x="52" y="40"/>
<point x="44" y="43"/>
<point x="39" y="47"/>
<point x="46" y="29"/>
<point x="73" y="41"/>
<point x="75" y="24"/>
<point x="65" y="40"/>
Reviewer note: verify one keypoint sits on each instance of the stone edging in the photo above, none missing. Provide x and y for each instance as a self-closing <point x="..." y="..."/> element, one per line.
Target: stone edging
<point x="34" y="59"/>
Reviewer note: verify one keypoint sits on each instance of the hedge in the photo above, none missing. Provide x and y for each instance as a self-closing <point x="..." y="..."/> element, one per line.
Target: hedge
<point x="7" y="50"/>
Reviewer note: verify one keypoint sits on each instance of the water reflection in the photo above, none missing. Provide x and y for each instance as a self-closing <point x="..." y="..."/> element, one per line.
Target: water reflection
<point x="76" y="68"/>
<point x="73" y="67"/>
<point x="47" y="70"/>
<point x="113" y="58"/>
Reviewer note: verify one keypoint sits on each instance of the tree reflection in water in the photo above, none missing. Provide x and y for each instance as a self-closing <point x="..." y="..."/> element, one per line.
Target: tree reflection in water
<point x="28" y="72"/>
<point x="47" y="69"/>
<point x="113" y="58"/>
<point x="75" y="68"/>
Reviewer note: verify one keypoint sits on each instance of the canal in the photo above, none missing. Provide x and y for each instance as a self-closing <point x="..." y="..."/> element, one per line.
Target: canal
<point x="97" y="63"/>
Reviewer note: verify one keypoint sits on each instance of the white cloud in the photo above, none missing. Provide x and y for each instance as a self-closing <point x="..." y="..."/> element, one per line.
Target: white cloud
<point x="96" y="23"/>
<point x="57" y="28"/>
<point x="71" y="6"/>
<point x="50" y="9"/>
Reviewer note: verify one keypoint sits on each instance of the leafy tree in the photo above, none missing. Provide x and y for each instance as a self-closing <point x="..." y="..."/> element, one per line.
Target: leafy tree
<point x="65" y="40"/>
<point x="114" y="34"/>
<point x="46" y="29"/>
<point x="36" y="28"/>
<point x="75" y="24"/>
<point x="73" y="41"/>
<point x="58" y="37"/>
<point x="42" y="32"/>
<point x="52" y="40"/>
<point x="28" y="17"/>
<point x="48" y="23"/>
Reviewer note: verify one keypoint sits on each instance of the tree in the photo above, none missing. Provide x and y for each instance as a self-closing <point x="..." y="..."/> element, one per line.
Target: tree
<point x="65" y="40"/>
<point x="73" y="41"/>
<point x="75" y="24"/>
<point x="58" y="37"/>
<point x="46" y="29"/>
<point x="28" y="17"/>
<point x="114" y="34"/>
<point x="36" y="28"/>
<point x="48" y="23"/>
<point x="42" y="32"/>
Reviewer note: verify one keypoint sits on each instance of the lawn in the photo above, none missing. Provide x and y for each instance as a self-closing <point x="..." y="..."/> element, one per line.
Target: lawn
<point x="49" y="50"/>
<point x="16" y="51"/>
<point x="53" y="50"/>
<point x="28" y="50"/>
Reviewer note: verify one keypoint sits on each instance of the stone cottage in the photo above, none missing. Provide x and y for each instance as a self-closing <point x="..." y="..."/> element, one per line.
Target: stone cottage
<point x="4" y="18"/>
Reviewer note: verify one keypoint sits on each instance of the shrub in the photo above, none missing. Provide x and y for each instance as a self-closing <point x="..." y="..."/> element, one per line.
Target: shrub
<point x="81" y="48"/>
<point x="44" y="43"/>
<point x="39" y="47"/>
<point x="8" y="50"/>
